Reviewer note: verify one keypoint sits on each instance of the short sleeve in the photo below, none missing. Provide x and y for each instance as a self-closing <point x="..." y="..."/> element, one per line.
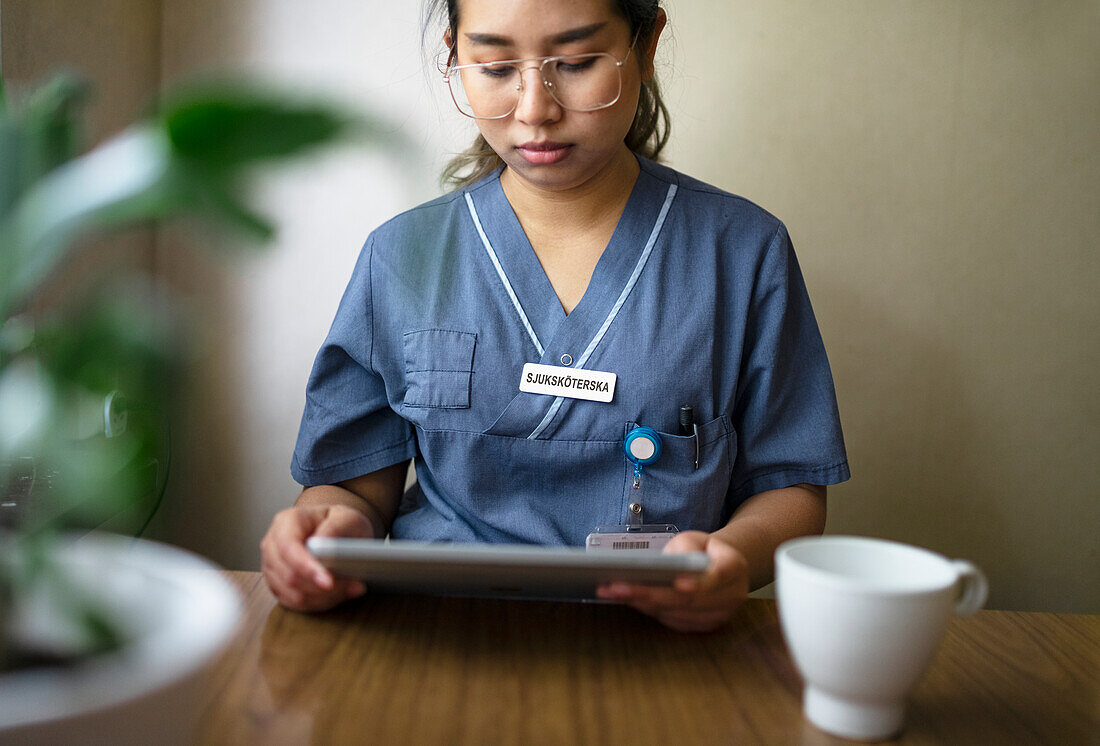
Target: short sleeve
<point x="785" y="412"/>
<point x="348" y="428"/>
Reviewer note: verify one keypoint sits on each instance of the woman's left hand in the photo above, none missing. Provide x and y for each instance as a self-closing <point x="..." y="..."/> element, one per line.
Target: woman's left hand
<point x="692" y="604"/>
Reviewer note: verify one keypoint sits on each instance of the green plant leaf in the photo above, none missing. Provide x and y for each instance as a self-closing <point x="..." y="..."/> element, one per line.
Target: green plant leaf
<point x="221" y="203"/>
<point x="118" y="339"/>
<point x="191" y="159"/>
<point x="12" y="153"/>
<point x="51" y="125"/>
<point x="38" y="231"/>
<point x="223" y="127"/>
<point x="40" y="138"/>
<point x="120" y="344"/>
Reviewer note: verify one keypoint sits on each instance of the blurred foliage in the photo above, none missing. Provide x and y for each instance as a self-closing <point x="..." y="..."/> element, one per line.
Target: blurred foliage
<point x="111" y="349"/>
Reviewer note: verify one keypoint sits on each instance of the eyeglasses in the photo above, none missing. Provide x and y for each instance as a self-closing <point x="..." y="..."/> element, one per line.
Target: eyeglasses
<point x="578" y="82"/>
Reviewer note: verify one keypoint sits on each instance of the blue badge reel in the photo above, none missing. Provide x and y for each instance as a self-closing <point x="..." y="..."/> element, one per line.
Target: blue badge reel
<point x="642" y="447"/>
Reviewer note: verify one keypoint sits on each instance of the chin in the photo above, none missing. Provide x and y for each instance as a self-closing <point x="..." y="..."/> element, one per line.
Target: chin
<point x="557" y="176"/>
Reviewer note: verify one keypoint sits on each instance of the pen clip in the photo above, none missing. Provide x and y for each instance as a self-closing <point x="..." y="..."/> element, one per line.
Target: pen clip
<point x="695" y="437"/>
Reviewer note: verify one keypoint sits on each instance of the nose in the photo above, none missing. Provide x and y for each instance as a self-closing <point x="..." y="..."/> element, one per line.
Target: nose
<point x="535" y="105"/>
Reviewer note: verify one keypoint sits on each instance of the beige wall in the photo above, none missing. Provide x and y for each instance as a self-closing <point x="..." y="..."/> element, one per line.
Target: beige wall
<point x="115" y="45"/>
<point x="937" y="165"/>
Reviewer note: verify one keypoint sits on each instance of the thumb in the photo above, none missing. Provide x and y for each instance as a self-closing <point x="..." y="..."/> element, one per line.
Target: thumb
<point x="692" y="541"/>
<point x="687" y="541"/>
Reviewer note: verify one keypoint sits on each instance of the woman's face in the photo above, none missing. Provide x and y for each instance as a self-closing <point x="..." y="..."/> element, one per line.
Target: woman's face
<point x="542" y="143"/>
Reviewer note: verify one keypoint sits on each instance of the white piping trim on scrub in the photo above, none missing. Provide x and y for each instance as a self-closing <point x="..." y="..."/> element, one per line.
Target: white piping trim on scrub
<point x="556" y="405"/>
<point x="633" y="277"/>
<point x="503" y="277"/>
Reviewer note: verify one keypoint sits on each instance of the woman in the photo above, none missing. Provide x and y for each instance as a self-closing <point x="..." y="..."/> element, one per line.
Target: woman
<point x="567" y="247"/>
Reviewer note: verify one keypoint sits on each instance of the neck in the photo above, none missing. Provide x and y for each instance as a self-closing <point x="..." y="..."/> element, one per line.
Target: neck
<point x="585" y="204"/>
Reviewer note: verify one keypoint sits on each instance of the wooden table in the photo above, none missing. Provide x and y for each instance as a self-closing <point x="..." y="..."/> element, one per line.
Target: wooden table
<point x="417" y="669"/>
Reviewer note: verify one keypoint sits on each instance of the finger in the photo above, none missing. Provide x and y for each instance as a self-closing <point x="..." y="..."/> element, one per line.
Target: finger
<point x="290" y="547"/>
<point x="725" y="568"/>
<point x="624" y="593"/>
<point x="301" y="564"/>
<point x="351" y="588"/>
<point x="659" y="601"/>
<point x="324" y="600"/>
<point x="284" y="581"/>
<point x="687" y="583"/>
<point x="294" y="576"/>
<point x="275" y="571"/>
<point x="278" y="588"/>
<point x="690" y="541"/>
<point x="618" y="591"/>
<point x="653" y="601"/>
<point x="318" y="600"/>
<point x="285" y="594"/>
<point x="709" y="604"/>
<point x="290" y="576"/>
<point x="659" y="598"/>
<point x="652" y="597"/>
<point x="286" y="578"/>
<point x="291" y="527"/>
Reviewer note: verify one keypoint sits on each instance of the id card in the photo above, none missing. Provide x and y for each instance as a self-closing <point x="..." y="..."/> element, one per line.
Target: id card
<point x="646" y="538"/>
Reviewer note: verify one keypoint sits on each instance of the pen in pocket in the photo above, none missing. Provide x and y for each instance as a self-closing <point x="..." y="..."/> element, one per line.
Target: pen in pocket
<point x="688" y="427"/>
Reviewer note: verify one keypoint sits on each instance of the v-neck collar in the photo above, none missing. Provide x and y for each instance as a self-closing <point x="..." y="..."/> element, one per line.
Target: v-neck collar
<point x="561" y="334"/>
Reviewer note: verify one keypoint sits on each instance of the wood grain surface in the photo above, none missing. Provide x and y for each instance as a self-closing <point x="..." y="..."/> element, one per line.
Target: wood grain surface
<point x="392" y="669"/>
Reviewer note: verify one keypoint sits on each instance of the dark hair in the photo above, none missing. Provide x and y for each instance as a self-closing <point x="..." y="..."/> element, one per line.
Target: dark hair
<point x="648" y="132"/>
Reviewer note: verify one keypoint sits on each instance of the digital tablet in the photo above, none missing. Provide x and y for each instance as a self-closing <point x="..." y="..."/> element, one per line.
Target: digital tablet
<point x="495" y="570"/>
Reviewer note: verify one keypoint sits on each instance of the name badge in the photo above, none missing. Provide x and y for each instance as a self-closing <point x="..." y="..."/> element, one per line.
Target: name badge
<point x="575" y="383"/>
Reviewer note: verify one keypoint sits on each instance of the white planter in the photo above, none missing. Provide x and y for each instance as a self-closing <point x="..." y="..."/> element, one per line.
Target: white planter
<point x="178" y="614"/>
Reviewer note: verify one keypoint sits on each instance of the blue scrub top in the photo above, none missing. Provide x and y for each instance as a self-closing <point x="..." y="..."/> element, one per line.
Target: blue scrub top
<point x="697" y="299"/>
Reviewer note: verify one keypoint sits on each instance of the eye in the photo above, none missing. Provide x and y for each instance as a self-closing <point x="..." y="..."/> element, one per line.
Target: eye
<point x="496" y="71"/>
<point x="575" y="64"/>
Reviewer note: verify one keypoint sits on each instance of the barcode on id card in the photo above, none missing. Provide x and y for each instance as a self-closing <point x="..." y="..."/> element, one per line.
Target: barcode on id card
<point x="630" y="545"/>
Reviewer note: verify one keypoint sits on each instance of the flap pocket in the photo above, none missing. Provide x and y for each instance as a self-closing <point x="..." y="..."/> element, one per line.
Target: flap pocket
<point x="439" y="365"/>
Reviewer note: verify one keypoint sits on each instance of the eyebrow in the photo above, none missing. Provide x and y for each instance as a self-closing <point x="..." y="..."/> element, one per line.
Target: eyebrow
<point x="565" y="37"/>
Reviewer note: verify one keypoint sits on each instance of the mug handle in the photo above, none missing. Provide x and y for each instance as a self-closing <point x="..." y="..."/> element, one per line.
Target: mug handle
<point x="973" y="588"/>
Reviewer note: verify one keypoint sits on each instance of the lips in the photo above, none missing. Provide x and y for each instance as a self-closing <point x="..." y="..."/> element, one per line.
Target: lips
<point x="544" y="152"/>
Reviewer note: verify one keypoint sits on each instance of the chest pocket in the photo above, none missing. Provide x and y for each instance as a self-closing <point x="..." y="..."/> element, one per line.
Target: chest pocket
<point x="439" y="364"/>
<point x="674" y="491"/>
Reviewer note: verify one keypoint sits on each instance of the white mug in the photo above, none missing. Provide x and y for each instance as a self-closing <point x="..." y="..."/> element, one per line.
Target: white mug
<point x="862" y="618"/>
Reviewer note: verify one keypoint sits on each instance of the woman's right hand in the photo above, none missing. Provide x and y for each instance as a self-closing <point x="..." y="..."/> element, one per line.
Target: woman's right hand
<point x="296" y="578"/>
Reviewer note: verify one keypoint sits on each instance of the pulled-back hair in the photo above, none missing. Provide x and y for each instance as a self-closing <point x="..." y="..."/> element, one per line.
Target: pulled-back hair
<point x="648" y="132"/>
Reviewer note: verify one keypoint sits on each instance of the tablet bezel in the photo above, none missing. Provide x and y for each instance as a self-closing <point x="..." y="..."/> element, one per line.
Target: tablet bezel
<point x="496" y="570"/>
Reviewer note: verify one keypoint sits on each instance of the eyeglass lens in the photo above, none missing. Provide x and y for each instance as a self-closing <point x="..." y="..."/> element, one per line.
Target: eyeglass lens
<point x="582" y="83"/>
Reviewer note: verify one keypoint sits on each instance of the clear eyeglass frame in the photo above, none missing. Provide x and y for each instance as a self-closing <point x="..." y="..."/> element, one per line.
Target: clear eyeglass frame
<point x="452" y="70"/>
